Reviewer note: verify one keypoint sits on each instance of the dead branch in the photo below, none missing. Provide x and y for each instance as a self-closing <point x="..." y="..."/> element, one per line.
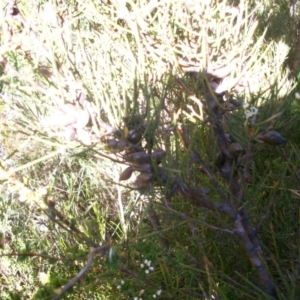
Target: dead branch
<point x="31" y="254"/>
<point x="189" y="219"/>
<point x="74" y="280"/>
<point x="240" y="218"/>
<point x="153" y="217"/>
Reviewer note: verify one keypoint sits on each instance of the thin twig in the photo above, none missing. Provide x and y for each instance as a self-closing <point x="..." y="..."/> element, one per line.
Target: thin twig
<point x="189" y="219"/>
<point x="72" y="282"/>
<point x="36" y="255"/>
<point x="153" y="217"/>
<point x="255" y="259"/>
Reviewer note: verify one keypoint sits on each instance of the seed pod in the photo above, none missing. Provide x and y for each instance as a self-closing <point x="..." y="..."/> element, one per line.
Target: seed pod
<point x="235" y="102"/>
<point x="271" y="137"/>
<point x="116" y="145"/>
<point x="236" y="149"/>
<point x="199" y="196"/>
<point x="199" y="192"/>
<point x="143" y="168"/>
<point x="141" y="185"/>
<point x="229" y="138"/>
<point x="183" y="189"/>
<point x="220" y="160"/>
<point x="133" y="149"/>
<point x="158" y="155"/>
<point x="126" y="174"/>
<point x="134" y="137"/>
<point x="141" y="157"/>
<point x="112" y="144"/>
<point x="145" y="177"/>
<point x="121" y="145"/>
<point x="162" y="176"/>
<point x="138" y="148"/>
<point x="248" y="176"/>
<point x="226" y="169"/>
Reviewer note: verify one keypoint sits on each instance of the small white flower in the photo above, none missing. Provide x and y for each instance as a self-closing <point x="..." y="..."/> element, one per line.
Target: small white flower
<point x="147" y="262"/>
<point x="141" y="292"/>
<point x="297" y="95"/>
<point x="158" y="292"/>
<point x="118" y="287"/>
<point x="151" y="269"/>
<point x="154" y="296"/>
<point x="122" y="282"/>
<point x="147" y="271"/>
<point x="136" y="298"/>
<point x="142" y="266"/>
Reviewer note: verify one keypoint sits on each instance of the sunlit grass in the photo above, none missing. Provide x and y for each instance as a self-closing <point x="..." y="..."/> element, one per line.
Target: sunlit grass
<point x="61" y="198"/>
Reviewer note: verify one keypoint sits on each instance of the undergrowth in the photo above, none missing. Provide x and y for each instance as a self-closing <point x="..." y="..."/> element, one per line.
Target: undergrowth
<point x="134" y="136"/>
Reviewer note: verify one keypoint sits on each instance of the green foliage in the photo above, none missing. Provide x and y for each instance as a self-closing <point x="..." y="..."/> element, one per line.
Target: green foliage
<point x="136" y="64"/>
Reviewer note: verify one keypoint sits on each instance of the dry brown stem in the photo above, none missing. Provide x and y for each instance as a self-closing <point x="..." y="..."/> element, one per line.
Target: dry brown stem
<point x="102" y="250"/>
